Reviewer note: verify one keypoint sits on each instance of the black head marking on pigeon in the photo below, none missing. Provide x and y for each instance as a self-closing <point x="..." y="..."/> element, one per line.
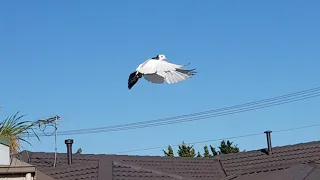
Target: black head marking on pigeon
<point x="157" y="57"/>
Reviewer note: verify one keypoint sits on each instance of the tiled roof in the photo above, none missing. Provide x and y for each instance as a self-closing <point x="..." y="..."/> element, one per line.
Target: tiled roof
<point x="122" y="167"/>
<point x="281" y="156"/>
<point x="308" y="171"/>
<point x="314" y="174"/>
<point x="198" y="168"/>
<point x="74" y="172"/>
<point x="45" y="160"/>
<point x="131" y="172"/>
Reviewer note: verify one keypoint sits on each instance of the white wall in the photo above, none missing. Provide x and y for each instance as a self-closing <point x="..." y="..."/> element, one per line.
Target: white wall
<point x="16" y="177"/>
<point x="12" y="178"/>
<point x="4" y="155"/>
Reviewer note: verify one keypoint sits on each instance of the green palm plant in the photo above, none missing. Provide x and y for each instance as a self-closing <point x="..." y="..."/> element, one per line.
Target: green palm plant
<point x="17" y="131"/>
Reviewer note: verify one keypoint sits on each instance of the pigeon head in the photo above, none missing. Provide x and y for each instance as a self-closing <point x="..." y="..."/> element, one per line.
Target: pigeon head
<point x="160" y="57"/>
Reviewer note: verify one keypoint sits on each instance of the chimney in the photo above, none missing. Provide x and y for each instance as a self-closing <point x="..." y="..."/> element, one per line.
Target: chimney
<point x="4" y="151"/>
<point x="269" y="141"/>
<point x="69" y="143"/>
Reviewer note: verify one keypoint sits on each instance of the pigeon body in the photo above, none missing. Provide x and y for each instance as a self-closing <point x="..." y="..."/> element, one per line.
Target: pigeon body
<point x="158" y="70"/>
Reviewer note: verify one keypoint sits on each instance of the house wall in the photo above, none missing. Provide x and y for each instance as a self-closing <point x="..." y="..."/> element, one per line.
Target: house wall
<point x="4" y="155"/>
<point x="16" y="177"/>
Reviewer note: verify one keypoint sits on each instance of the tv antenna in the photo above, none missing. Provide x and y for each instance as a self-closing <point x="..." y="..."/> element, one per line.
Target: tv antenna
<point x="52" y="120"/>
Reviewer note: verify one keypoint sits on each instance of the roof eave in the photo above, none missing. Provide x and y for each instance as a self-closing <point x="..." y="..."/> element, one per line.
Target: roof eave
<point x="10" y="170"/>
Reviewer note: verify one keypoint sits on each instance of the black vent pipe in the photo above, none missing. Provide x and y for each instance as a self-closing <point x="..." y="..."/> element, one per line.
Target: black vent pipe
<point x="69" y="143"/>
<point x="269" y="141"/>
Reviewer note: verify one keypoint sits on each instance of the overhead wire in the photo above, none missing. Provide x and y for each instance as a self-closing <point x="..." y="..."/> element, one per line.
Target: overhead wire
<point x="220" y="139"/>
<point x="168" y="121"/>
<point x="315" y="91"/>
<point x="251" y="106"/>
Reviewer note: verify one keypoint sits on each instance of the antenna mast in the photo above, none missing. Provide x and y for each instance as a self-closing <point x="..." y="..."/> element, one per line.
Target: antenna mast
<point x="53" y="120"/>
<point x="55" y="140"/>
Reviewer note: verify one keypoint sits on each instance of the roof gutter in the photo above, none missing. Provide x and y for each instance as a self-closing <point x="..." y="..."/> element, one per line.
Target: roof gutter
<point x="6" y="170"/>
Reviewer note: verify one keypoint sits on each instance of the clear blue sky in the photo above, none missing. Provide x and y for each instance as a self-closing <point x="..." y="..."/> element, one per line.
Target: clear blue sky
<point x="73" y="58"/>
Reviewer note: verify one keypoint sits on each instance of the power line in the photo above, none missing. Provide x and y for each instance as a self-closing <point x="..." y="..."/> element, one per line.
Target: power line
<point x="220" y="139"/>
<point x="314" y="91"/>
<point x="203" y="115"/>
<point x="142" y="125"/>
<point x="199" y="116"/>
<point x="198" y="142"/>
<point x="251" y="106"/>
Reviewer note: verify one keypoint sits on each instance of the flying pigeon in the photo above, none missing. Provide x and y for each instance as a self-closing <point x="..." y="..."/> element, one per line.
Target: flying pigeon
<point x="158" y="70"/>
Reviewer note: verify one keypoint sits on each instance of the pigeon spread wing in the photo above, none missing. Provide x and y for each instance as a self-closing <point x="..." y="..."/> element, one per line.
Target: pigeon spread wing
<point x="155" y="66"/>
<point x="154" y="78"/>
<point x="156" y="71"/>
<point x="178" y="75"/>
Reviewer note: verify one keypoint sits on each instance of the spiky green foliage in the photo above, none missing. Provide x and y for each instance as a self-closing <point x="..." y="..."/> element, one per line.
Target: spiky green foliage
<point x="169" y="152"/>
<point x="186" y="151"/>
<point x="206" y="153"/>
<point x="17" y="131"/>
<point x="199" y="155"/>
<point x="213" y="151"/>
<point x="227" y="147"/>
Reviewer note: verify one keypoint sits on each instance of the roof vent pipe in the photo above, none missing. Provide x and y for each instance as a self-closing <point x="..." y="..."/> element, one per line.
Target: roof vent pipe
<point x="69" y="143"/>
<point x="269" y="141"/>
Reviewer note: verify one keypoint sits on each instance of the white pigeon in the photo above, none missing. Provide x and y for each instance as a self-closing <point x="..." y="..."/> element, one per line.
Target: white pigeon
<point x="159" y="70"/>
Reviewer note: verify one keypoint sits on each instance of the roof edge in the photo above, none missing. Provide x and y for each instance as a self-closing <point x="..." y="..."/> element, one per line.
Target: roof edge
<point x="6" y="170"/>
<point x="263" y="150"/>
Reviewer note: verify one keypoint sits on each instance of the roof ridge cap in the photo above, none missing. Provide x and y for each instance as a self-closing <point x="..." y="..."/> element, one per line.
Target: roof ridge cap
<point x="261" y="149"/>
